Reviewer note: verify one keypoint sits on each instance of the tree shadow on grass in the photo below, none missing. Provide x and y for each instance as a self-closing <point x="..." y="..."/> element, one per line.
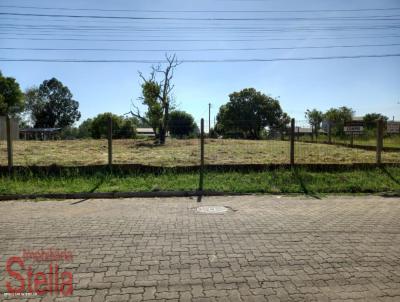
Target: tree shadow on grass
<point x="147" y="145"/>
<point x="96" y="186"/>
<point x="303" y="185"/>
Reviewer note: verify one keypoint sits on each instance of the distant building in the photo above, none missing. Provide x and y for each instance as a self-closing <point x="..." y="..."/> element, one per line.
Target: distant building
<point x="149" y="132"/>
<point x="303" y="131"/>
<point x="3" y="128"/>
<point x="42" y="134"/>
<point x="393" y="127"/>
<point x="307" y="131"/>
<point x="145" y="132"/>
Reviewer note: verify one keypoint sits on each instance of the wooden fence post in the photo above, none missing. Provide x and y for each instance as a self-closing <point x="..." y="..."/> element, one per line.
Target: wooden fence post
<point x="379" y="141"/>
<point x="9" y="144"/>
<point x="292" y="133"/>
<point x="329" y="132"/>
<point x="109" y="136"/>
<point x="201" y="183"/>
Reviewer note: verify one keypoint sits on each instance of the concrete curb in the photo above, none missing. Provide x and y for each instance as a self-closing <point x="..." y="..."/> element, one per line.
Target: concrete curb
<point x="111" y="195"/>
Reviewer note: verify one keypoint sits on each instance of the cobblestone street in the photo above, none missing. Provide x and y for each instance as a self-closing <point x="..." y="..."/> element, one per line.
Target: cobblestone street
<point x="264" y="248"/>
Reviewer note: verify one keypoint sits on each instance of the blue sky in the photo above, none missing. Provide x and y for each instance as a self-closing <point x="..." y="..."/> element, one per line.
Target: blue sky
<point x="366" y="84"/>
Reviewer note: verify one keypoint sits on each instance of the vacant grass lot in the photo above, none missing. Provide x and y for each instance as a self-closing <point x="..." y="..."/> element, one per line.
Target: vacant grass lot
<point x="182" y="152"/>
<point x="388" y="141"/>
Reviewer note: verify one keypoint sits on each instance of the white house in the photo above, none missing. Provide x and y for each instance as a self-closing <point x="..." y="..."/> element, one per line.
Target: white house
<point x="3" y="129"/>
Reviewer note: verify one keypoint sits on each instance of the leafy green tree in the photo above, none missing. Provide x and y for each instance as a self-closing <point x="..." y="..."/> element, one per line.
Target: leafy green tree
<point x="181" y="124"/>
<point x="122" y="127"/>
<point x="99" y="124"/>
<point x="157" y="98"/>
<point x="127" y="128"/>
<point x="11" y="96"/>
<point x="283" y="123"/>
<point x="84" y="129"/>
<point x="337" y="117"/>
<point x="314" y="118"/>
<point x="52" y="105"/>
<point x="69" y="133"/>
<point x="247" y="113"/>
<point x="370" y="119"/>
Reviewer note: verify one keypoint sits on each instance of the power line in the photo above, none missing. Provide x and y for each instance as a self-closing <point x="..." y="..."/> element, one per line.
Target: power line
<point x="117" y="34"/>
<point x="38" y="28"/>
<point x="200" y="49"/>
<point x="202" y="11"/>
<point x="366" y="18"/>
<point x="205" y="40"/>
<point x="337" y="26"/>
<point x="128" y="23"/>
<point x="196" y="60"/>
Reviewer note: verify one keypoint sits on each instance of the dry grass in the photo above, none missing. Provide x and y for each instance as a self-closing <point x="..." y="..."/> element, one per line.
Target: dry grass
<point x="182" y="152"/>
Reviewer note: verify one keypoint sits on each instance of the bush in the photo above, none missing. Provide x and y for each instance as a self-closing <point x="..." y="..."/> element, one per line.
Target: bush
<point x="181" y="124"/>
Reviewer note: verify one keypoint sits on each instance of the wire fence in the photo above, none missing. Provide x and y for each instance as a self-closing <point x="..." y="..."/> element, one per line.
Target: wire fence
<point x="272" y="146"/>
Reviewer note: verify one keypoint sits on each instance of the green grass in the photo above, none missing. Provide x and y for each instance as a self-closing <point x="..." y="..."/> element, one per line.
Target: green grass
<point x="278" y="181"/>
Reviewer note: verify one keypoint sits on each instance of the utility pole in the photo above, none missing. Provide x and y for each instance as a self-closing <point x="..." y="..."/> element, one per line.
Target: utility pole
<point x="209" y="118"/>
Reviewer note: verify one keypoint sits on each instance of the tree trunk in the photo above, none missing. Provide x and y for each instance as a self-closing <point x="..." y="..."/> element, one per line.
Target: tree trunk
<point x="161" y="138"/>
<point x="163" y="128"/>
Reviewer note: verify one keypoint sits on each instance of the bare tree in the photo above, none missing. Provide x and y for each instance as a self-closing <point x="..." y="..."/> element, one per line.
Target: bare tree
<point x="157" y="97"/>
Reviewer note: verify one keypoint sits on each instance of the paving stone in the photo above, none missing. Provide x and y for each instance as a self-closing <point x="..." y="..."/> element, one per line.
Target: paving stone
<point x="268" y="249"/>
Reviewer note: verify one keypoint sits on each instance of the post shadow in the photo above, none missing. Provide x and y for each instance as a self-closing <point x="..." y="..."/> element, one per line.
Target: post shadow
<point x="388" y="174"/>
<point x="90" y="191"/>
<point x="303" y="185"/>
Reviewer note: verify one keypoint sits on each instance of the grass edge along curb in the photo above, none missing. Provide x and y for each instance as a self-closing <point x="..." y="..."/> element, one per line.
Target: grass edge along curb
<point x="139" y="168"/>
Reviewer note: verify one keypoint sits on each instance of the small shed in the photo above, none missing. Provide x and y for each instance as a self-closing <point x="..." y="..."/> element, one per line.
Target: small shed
<point x="42" y="134"/>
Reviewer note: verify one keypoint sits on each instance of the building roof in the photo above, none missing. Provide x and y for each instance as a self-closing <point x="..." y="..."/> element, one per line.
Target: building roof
<point x="307" y="130"/>
<point x="41" y="130"/>
<point x="144" y="130"/>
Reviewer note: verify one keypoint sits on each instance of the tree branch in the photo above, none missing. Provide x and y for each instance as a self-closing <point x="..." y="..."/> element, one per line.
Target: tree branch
<point x="137" y="114"/>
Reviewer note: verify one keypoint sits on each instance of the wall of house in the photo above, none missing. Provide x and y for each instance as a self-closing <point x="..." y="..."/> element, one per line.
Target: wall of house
<point x="14" y="129"/>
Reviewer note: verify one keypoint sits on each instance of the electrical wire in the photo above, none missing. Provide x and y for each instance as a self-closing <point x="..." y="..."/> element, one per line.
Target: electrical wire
<point x="200" y="49"/>
<point x="197" y="60"/>
<point x="206" y="40"/>
<point x="365" y="18"/>
<point x="201" y="11"/>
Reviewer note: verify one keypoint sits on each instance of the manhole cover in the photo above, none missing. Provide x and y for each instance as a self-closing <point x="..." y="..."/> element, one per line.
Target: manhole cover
<point x="212" y="209"/>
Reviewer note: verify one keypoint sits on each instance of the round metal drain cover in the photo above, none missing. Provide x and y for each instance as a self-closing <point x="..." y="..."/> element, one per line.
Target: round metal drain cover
<point x="212" y="209"/>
